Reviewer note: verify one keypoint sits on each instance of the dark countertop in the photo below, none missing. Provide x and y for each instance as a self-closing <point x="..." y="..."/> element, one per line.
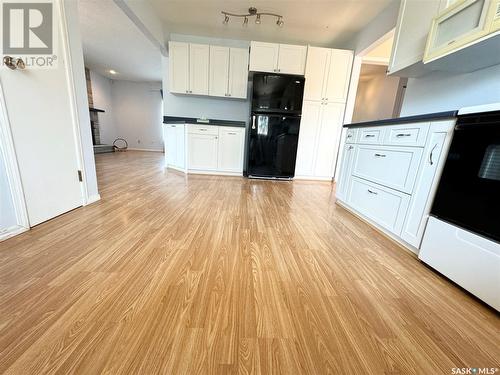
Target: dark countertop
<point x="403" y="120"/>
<point x="192" y="120"/>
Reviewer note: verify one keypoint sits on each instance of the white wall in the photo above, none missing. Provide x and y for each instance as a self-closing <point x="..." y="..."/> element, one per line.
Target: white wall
<point x="137" y="113"/>
<point x="204" y="106"/>
<point x="376" y="94"/>
<point x="441" y="91"/>
<point x="102" y="98"/>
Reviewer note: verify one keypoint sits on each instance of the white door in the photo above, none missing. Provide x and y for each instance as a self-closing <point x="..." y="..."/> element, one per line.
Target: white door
<point x="39" y="107"/>
<point x="264" y="57"/>
<point x="316" y="68"/>
<point x="292" y="59"/>
<point x="178" y="71"/>
<point x="308" y="131"/>
<point x="328" y="139"/>
<point x="238" y="73"/>
<point x="180" y="141"/>
<point x="171" y="145"/>
<point x="339" y="74"/>
<point x="202" y="152"/>
<point x="219" y="71"/>
<point x="231" y="146"/>
<point x="199" y="57"/>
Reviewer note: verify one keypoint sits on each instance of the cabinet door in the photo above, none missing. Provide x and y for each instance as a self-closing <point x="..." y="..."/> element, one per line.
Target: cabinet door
<point x="339" y="75"/>
<point x="264" y="57"/>
<point x="231" y="146"/>
<point x="328" y="139"/>
<point x="238" y="73"/>
<point x="345" y="172"/>
<point x="199" y="68"/>
<point x="418" y="211"/>
<point x="414" y="22"/>
<point x="316" y="68"/>
<point x="202" y="152"/>
<point x="292" y="59"/>
<point x="219" y="71"/>
<point x="178" y="71"/>
<point x="171" y="145"/>
<point x="180" y="147"/>
<point x="308" y="132"/>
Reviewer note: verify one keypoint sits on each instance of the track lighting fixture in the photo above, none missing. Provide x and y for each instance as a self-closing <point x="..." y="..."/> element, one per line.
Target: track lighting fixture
<point x="251" y="13"/>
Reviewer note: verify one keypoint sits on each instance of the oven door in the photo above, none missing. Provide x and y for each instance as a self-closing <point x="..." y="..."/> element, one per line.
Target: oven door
<point x="469" y="191"/>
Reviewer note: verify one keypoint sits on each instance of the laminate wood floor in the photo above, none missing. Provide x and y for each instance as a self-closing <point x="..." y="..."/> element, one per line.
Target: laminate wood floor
<point x="211" y="275"/>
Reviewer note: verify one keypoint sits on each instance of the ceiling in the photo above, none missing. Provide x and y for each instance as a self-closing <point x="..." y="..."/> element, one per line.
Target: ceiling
<point x="112" y="41"/>
<point x="330" y="23"/>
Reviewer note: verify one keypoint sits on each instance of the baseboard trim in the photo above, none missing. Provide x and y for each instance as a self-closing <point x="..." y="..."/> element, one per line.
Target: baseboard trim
<point x="93" y="199"/>
<point x="312" y="178"/>
<point x="216" y="173"/>
<point x="12" y="231"/>
<point x="145" y="149"/>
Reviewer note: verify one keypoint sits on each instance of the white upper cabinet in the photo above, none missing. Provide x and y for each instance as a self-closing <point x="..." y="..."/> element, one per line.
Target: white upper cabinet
<point x="339" y="74"/>
<point x="292" y="59"/>
<point x="264" y="57"/>
<point x="318" y="60"/>
<point x="219" y="70"/>
<point x="414" y="23"/>
<point x="178" y="71"/>
<point x="199" y="57"/>
<point x="277" y="58"/>
<point x="238" y="73"/>
<point x="202" y="69"/>
<point x="328" y="72"/>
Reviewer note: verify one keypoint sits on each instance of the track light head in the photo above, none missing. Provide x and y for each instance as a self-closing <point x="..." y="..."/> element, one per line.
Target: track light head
<point x="280" y="22"/>
<point x="245" y="21"/>
<point x="226" y="20"/>
<point x="257" y="20"/>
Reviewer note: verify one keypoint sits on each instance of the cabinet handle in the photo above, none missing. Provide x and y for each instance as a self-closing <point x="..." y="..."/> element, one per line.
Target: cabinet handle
<point x="372" y="192"/>
<point x="369" y="135"/>
<point x="215" y="137"/>
<point x="231" y="133"/>
<point x="431" y="162"/>
<point x="253" y="122"/>
<point x="380" y="155"/>
<point x="326" y="99"/>
<point x="403" y="135"/>
<point x="228" y="94"/>
<point x="173" y="126"/>
<point x="187" y="91"/>
<point x="349" y="135"/>
<point x="203" y="130"/>
<point x="350" y="147"/>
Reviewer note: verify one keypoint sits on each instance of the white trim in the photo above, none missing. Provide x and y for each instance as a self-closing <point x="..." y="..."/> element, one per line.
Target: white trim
<point x="312" y="178"/>
<point x="73" y="102"/>
<point x="144" y="149"/>
<point x="12" y="231"/>
<point x="479" y="108"/>
<point x="376" y="61"/>
<point x="11" y="166"/>
<point x="178" y="169"/>
<point x="93" y="199"/>
<point x="215" y="173"/>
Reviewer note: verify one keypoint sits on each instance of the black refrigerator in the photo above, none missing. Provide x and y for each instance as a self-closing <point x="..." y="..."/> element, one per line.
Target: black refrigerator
<point x="274" y="125"/>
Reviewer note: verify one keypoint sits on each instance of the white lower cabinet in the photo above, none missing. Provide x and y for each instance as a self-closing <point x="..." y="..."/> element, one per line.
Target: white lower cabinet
<point x="210" y="149"/>
<point x="384" y="206"/>
<point x="202" y="151"/>
<point x="230" y="150"/>
<point x="320" y="129"/>
<point x="392" y="184"/>
<point x="175" y="139"/>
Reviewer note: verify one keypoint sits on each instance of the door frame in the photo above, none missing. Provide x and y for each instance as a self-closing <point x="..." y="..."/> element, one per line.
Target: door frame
<point x="8" y="153"/>
<point x="353" y="90"/>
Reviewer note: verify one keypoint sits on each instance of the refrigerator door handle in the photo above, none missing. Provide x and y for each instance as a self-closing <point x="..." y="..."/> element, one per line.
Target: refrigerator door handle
<point x="253" y="122"/>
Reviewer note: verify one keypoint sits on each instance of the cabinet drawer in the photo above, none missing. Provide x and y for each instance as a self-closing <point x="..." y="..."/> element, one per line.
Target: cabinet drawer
<point x="406" y="135"/>
<point x="385" y="207"/>
<point x="394" y="167"/>
<point x="203" y="129"/>
<point x="351" y="136"/>
<point x="228" y="130"/>
<point x="370" y="135"/>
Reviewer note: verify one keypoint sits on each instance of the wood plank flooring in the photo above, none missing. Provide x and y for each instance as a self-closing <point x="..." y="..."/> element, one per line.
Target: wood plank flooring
<point x="171" y="274"/>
